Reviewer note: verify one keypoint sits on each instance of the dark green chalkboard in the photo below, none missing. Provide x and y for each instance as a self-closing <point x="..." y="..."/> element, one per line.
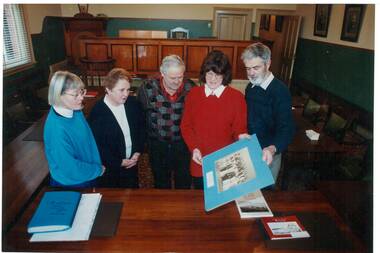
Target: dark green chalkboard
<point x="344" y="71"/>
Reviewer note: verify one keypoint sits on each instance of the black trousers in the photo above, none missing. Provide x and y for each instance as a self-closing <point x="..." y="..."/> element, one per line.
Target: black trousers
<point x="198" y="183"/>
<point x="119" y="178"/>
<point x="167" y="158"/>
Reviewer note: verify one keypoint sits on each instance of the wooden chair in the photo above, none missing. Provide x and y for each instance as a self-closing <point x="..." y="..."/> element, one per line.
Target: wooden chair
<point x="335" y="126"/>
<point x="358" y="156"/>
<point x="314" y="111"/>
<point x="94" y="70"/>
<point x="339" y="120"/>
<point x="179" y="33"/>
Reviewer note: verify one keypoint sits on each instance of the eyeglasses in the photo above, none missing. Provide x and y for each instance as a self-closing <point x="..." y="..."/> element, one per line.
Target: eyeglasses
<point x="81" y="92"/>
<point x="212" y="75"/>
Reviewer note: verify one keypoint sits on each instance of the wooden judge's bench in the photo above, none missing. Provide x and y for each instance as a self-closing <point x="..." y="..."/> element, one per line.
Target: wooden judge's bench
<point x="144" y="56"/>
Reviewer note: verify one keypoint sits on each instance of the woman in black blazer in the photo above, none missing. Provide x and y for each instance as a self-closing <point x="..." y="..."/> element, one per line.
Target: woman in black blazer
<point x="117" y="123"/>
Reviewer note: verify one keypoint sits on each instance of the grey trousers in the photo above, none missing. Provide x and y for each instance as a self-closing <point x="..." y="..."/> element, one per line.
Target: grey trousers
<point x="275" y="166"/>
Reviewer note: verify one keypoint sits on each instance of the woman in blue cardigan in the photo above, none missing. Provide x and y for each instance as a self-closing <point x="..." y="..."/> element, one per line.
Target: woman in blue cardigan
<point x="70" y="147"/>
<point x="117" y="122"/>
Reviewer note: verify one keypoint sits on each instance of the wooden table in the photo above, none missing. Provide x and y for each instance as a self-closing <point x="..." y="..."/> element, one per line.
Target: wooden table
<point x="353" y="201"/>
<point x="308" y="153"/>
<point x="155" y="220"/>
<point x="301" y="144"/>
<point x="298" y="101"/>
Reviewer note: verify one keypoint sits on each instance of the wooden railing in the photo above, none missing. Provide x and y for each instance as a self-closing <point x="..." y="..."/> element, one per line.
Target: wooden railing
<point x="143" y="56"/>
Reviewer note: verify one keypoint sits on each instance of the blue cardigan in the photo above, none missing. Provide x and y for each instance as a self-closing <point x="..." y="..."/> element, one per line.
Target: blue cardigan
<point x="70" y="149"/>
<point x="109" y="136"/>
<point x="270" y="114"/>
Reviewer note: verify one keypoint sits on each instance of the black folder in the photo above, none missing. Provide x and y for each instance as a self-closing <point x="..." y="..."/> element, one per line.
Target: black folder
<point x="107" y="219"/>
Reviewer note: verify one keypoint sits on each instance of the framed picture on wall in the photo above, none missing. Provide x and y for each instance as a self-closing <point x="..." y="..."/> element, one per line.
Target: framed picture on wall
<point x="352" y="22"/>
<point x="322" y="19"/>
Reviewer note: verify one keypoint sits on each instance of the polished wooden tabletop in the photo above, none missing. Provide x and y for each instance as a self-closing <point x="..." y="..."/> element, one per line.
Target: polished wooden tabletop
<point x="175" y="221"/>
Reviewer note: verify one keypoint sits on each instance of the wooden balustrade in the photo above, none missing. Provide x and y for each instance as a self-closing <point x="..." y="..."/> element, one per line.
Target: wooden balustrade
<point x="143" y="56"/>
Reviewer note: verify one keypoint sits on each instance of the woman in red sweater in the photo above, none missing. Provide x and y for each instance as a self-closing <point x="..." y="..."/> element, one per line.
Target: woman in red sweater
<point x="215" y="115"/>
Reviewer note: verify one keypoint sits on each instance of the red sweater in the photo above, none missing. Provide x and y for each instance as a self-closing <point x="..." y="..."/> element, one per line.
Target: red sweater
<point x="210" y="123"/>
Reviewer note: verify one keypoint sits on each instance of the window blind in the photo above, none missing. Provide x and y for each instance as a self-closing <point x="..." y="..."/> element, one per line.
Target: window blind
<point x="16" y="49"/>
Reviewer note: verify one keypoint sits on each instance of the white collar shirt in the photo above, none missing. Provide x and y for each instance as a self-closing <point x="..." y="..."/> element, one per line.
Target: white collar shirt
<point x="217" y="92"/>
<point x="121" y="118"/>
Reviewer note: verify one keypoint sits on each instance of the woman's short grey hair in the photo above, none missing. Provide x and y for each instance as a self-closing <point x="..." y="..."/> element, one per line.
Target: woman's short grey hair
<point x="59" y="83"/>
<point x="257" y="50"/>
<point x="171" y="61"/>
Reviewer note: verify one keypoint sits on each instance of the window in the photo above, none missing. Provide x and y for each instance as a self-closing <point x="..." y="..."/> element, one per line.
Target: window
<point x="16" y="48"/>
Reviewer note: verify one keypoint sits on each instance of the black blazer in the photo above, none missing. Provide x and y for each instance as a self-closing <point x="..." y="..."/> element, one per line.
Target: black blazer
<point x="109" y="136"/>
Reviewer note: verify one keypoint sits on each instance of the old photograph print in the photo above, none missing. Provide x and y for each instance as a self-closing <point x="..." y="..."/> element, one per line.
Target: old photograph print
<point x="234" y="169"/>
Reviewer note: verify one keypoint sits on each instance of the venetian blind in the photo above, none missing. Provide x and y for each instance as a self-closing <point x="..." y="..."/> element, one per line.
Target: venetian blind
<point x="16" y="49"/>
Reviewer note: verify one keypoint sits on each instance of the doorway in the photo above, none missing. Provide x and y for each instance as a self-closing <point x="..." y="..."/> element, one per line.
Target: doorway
<point x="282" y="32"/>
<point x="232" y="24"/>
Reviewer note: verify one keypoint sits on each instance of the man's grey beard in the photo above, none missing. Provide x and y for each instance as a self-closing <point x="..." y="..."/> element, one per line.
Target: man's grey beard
<point x="256" y="81"/>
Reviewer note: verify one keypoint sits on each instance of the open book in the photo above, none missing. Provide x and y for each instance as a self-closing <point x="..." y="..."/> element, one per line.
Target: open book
<point x="253" y="205"/>
<point x="80" y="228"/>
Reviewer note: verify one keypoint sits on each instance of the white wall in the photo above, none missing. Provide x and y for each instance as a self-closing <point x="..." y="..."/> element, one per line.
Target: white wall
<point x="167" y="11"/>
<point x="366" y="36"/>
<point x="35" y="14"/>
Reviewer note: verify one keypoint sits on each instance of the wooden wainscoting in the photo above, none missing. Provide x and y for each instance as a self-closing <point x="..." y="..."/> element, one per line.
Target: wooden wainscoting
<point x="143" y="56"/>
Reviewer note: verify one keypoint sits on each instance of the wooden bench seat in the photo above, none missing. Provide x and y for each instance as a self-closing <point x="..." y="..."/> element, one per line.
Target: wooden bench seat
<point x="24" y="171"/>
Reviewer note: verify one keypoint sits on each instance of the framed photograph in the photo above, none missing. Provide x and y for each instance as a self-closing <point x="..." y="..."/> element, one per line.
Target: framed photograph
<point x="322" y="19"/>
<point x="352" y="22"/>
<point x="278" y="25"/>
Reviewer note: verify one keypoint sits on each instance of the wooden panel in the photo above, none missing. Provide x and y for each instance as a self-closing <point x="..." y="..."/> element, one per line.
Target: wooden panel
<point x="96" y="51"/>
<point x="229" y="51"/>
<point x="126" y="33"/>
<point x="159" y="34"/>
<point x="195" y="56"/>
<point x="168" y="50"/>
<point x="147" y="57"/>
<point x="147" y="53"/>
<point x="79" y="28"/>
<point x="240" y="73"/>
<point x="123" y="54"/>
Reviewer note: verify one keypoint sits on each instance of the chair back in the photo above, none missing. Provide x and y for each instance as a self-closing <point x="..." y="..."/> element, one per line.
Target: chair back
<point x="311" y="108"/>
<point x="336" y="126"/>
<point x="94" y="71"/>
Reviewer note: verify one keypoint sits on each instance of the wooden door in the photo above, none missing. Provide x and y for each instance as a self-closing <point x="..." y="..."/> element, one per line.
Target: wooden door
<point x="282" y="32"/>
<point x="231" y="27"/>
<point x="291" y="32"/>
<point x="232" y="23"/>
